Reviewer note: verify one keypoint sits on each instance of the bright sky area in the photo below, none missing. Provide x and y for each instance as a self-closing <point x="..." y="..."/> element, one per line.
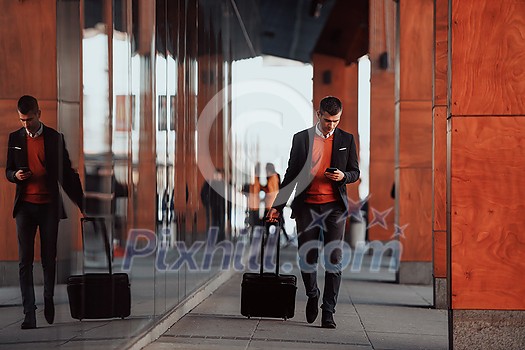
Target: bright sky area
<point x="272" y="100"/>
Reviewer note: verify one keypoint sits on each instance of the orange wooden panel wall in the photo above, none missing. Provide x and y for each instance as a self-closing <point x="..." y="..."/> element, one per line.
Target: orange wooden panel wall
<point x="440" y="254"/>
<point x="415" y="179"/>
<point x="440" y="191"/>
<point x="28" y="53"/>
<point x="415" y="129"/>
<point x="415" y="134"/>
<point x="440" y="137"/>
<point x="382" y="115"/>
<point x="382" y="144"/>
<point x="440" y="168"/>
<point x="487" y="150"/>
<point x="416" y="47"/>
<point x="27" y="66"/>
<point x="488" y="191"/>
<point x="441" y="53"/>
<point x="488" y="55"/>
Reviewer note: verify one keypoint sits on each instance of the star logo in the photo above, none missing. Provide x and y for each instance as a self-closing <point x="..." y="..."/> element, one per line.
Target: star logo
<point x="380" y="218"/>
<point x="354" y="210"/>
<point x="318" y="220"/>
<point x="399" y="231"/>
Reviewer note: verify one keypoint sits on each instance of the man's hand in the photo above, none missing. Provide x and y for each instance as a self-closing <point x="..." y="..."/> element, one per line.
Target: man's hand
<point x="338" y="175"/>
<point x="273" y="215"/>
<point x="23" y="174"/>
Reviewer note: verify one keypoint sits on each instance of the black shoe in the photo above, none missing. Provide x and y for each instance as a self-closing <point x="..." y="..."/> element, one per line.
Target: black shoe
<point x="29" y="321"/>
<point x="327" y="320"/>
<point x="49" y="310"/>
<point x="312" y="308"/>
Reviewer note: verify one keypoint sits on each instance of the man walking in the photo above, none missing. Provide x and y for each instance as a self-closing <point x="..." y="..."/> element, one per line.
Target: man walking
<point x="37" y="161"/>
<point x="323" y="160"/>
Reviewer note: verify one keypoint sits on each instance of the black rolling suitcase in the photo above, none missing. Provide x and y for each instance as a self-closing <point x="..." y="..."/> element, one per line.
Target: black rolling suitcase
<point x="268" y="294"/>
<point x="99" y="295"/>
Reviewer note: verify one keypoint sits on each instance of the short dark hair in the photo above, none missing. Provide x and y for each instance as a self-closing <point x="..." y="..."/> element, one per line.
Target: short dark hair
<point x="27" y="104"/>
<point x="331" y="105"/>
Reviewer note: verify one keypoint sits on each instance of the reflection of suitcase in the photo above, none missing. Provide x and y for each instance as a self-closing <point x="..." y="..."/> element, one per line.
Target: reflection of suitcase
<point x="268" y="294"/>
<point x="99" y="295"/>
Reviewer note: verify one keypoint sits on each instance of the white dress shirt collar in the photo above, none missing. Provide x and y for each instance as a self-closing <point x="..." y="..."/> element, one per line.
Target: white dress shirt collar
<point x="37" y="133"/>
<point x="320" y="133"/>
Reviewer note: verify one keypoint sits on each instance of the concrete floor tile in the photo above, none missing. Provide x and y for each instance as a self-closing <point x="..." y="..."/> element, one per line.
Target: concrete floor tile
<point x="289" y="331"/>
<point x="267" y="345"/>
<point x="381" y="318"/>
<point x="212" y="325"/>
<point x="407" y="341"/>
<point x="30" y="345"/>
<point x="165" y="343"/>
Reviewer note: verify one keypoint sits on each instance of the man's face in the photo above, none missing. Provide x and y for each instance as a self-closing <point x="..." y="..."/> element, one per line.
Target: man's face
<point x="328" y="122"/>
<point x="30" y="121"/>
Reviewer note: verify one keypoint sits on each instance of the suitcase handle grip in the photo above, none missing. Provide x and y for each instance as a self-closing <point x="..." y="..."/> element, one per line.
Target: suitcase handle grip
<point x="266" y="233"/>
<point x="101" y="223"/>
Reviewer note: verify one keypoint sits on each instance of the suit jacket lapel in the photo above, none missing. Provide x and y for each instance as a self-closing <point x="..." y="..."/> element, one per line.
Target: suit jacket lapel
<point x="335" y="147"/>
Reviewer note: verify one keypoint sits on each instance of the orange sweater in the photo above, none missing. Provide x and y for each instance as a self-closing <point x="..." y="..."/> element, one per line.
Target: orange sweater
<point x="321" y="190"/>
<point x="36" y="190"/>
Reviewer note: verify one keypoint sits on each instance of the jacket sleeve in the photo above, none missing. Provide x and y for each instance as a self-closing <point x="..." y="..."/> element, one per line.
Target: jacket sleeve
<point x="70" y="180"/>
<point x="290" y="177"/>
<point x="352" y="165"/>
<point x="10" y="168"/>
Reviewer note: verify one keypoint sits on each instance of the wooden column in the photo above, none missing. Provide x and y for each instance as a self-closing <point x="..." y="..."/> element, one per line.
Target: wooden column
<point x="145" y="206"/>
<point x="486" y="186"/>
<point x="333" y="78"/>
<point x="382" y="116"/>
<point x="28" y="66"/>
<point x="439" y="227"/>
<point x="414" y="141"/>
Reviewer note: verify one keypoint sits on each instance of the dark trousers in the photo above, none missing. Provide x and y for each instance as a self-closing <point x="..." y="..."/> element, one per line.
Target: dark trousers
<point x="28" y="218"/>
<point x="318" y="223"/>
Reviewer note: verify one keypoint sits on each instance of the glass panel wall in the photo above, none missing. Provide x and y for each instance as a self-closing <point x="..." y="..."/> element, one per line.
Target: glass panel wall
<point x="137" y="80"/>
<point x="153" y="72"/>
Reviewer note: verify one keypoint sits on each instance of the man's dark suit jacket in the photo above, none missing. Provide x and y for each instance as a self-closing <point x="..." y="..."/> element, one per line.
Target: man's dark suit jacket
<point x="57" y="164"/>
<point x="344" y="158"/>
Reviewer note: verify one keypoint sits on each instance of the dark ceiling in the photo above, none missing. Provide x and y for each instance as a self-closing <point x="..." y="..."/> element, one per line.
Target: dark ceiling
<point x="296" y="29"/>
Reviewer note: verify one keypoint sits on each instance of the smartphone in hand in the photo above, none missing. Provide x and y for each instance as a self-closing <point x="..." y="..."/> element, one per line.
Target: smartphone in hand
<point x="331" y="170"/>
<point x="23" y="173"/>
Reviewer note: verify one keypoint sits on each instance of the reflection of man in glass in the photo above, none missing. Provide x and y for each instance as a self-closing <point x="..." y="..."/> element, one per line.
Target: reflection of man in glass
<point x="330" y="157"/>
<point x="214" y="203"/>
<point x="37" y="160"/>
<point x="254" y="201"/>
<point x="273" y="180"/>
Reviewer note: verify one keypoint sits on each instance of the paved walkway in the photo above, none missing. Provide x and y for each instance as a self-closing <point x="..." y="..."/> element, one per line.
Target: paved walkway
<point x="370" y="315"/>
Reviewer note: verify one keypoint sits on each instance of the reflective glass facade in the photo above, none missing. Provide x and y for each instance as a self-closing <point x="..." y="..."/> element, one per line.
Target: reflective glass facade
<point x="150" y="70"/>
<point x="143" y="99"/>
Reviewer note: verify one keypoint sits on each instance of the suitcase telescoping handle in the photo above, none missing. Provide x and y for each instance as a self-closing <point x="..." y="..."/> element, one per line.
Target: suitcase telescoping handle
<point x="278" y="236"/>
<point x="98" y="223"/>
